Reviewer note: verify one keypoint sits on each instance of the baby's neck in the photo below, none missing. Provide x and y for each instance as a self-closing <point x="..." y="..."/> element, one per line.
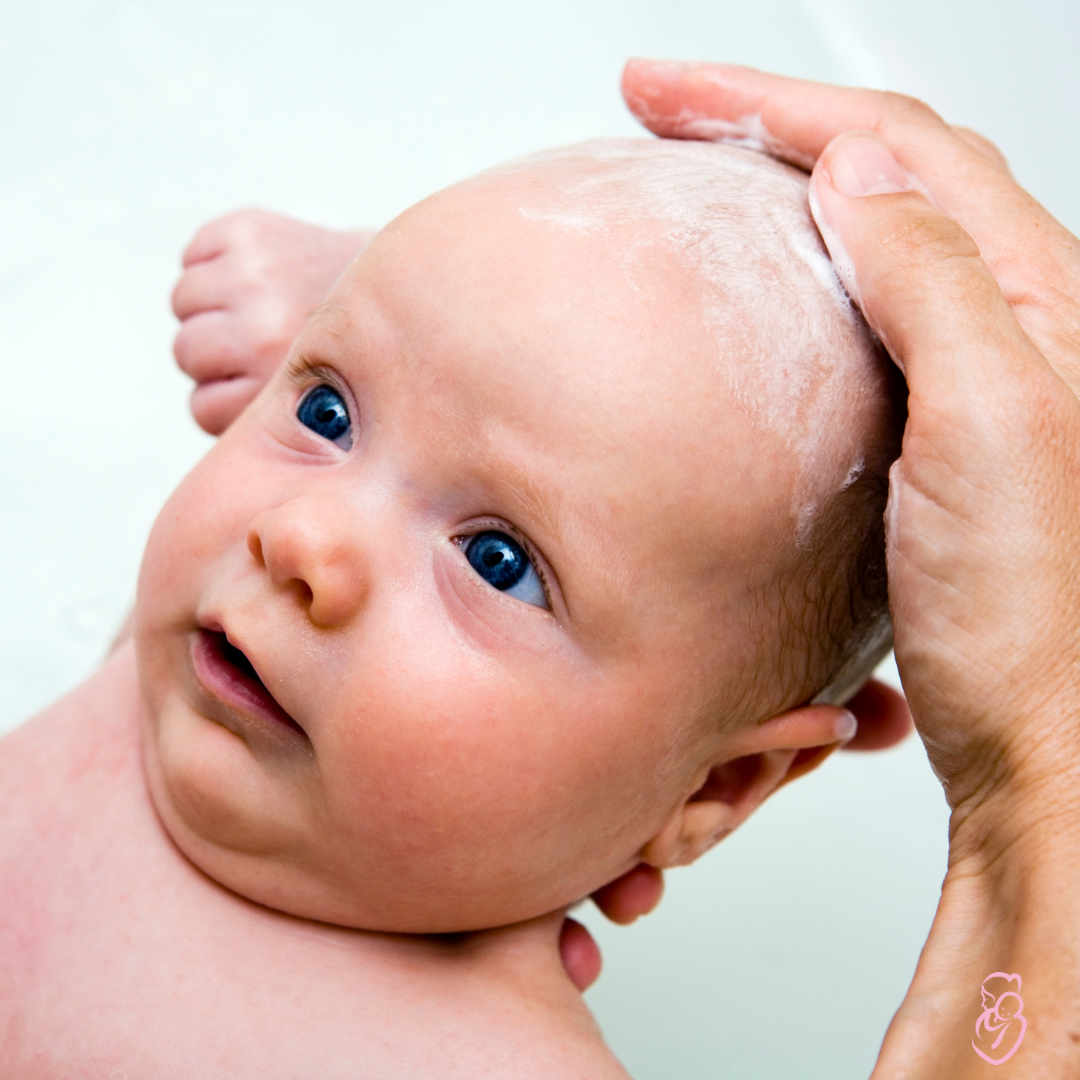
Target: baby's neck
<point x="122" y="955"/>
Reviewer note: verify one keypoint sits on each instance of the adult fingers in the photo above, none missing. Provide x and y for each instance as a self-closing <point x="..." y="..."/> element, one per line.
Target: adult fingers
<point x="982" y="503"/>
<point x="921" y="281"/>
<point x="580" y="954"/>
<point x="791" y="118"/>
<point x="984" y="146"/>
<point x="1036" y="261"/>
<point x="634" y="894"/>
<point x="883" y="715"/>
<point x="723" y="102"/>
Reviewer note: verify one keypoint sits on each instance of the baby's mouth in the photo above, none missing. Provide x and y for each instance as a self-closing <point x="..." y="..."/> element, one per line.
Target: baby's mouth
<point x="231" y="677"/>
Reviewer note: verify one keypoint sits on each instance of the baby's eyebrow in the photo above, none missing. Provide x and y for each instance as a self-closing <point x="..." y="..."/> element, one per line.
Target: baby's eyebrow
<point x="525" y="482"/>
<point x="568" y="525"/>
<point x="536" y="505"/>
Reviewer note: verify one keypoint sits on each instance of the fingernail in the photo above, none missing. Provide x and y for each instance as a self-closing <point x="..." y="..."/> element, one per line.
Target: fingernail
<point x="846" y="726"/>
<point x="861" y="165"/>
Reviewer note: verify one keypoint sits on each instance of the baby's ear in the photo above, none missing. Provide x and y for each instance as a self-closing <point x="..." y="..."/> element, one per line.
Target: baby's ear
<point x="729" y="790"/>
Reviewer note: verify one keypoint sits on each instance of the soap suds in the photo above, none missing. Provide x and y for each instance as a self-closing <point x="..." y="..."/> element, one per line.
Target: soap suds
<point x="842" y="262"/>
<point x="795" y="356"/>
<point x="748" y="132"/>
<point x="578" y="223"/>
<point x="854" y="473"/>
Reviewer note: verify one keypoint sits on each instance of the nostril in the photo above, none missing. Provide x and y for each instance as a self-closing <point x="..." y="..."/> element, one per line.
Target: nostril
<point x="306" y="549"/>
<point x="255" y="547"/>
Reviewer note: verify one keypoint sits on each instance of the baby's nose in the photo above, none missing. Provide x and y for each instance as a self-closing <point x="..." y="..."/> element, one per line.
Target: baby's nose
<point x="307" y="547"/>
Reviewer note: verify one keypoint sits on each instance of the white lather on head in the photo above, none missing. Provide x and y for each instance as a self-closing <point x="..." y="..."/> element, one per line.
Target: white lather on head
<point x="793" y="352"/>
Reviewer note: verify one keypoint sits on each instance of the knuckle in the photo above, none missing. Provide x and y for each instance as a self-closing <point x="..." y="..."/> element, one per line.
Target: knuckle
<point x="207" y="243"/>
<point x="225" y="231"/>
<point x="206" y="412"/>
<point x="983" y="145"/>
<point x="220" y="356"/>
<point x="1037" y="409"/>
<point x="899" y="111"/>
<point x="240" y="216"/>
<point x="1042" y="291"/>
<point x="229" y="230"/>
<point x="917" y="234"/>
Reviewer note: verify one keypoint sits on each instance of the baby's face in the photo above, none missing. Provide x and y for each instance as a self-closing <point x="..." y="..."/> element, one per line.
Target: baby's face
<point x="429" y="641"/>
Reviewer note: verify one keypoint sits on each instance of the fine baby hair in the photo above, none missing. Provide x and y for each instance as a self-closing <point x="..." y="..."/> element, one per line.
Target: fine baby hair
<point x="741" y="220"/>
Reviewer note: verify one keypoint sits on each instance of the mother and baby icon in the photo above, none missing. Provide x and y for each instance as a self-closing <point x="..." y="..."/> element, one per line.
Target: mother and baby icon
<point x="1000" y="1029"/>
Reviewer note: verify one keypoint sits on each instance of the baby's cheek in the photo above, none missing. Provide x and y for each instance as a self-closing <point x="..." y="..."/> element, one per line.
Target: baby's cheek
<point x="208" y="514"/>
<point x="503" y="776"/>
<point x="196" y="517"/>
<point x="437" y="754"/>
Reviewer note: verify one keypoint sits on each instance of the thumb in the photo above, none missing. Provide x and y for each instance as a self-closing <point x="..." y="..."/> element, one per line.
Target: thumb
<point x="917" y="275"/>
<point x="980" y="580"/>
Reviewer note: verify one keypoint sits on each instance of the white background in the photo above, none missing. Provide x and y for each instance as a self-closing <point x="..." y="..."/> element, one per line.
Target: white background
<point x="124" y="124"/>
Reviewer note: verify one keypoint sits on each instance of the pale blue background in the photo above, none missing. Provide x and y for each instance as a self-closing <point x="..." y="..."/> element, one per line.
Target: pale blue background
<point x="124" y="124"/>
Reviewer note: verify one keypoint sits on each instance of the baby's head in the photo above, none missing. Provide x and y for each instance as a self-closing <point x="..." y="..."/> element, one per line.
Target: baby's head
<point x="522" y="570"/>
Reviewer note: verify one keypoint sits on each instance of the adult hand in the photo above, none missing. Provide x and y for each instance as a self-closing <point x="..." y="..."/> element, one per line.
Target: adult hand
<point x="627" y="898"/>
<point x="250" y="281"/>
<point x="975" y="291"/>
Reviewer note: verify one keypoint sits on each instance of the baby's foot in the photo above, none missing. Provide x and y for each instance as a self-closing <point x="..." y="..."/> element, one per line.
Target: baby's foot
<point x="250" y="281"/>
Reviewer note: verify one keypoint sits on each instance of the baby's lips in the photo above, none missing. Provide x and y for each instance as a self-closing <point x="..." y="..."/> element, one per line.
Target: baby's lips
<point x="228" y="674"/>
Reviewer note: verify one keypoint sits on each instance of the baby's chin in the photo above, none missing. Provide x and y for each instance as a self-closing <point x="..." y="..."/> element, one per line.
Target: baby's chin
<point x="197" y="779"/>
<point x="385" y="900"/>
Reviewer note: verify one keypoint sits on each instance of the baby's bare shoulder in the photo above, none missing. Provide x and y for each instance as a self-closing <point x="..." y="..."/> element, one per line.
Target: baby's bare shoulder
<point x="121" y="958"/>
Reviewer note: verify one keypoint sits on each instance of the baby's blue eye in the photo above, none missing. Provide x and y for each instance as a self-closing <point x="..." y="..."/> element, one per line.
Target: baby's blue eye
<point x="501" y="561"/>
<point x="324" y="411"/>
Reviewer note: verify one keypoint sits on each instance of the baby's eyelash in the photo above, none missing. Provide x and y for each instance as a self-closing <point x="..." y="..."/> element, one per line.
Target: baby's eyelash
<point x="538" y="563"/>
<point x="541" y="573"/>
<point x="301" y="371"/>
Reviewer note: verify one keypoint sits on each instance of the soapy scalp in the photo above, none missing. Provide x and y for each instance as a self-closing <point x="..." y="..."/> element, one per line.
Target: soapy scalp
<point x="794" y="355"/>
<point x="790" y="347"/>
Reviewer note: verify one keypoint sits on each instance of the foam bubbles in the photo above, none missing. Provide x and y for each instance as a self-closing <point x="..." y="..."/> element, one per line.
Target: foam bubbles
<point x="794" y="354"/>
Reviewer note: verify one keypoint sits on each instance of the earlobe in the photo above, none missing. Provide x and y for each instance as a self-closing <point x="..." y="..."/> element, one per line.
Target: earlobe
<point x="727" y="792"/>
<point x="688" y="833"/>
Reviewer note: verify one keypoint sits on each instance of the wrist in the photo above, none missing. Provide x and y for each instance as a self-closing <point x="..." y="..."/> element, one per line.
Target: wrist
<point x="1008" y="906"/>
<point x="1017" y="811"/>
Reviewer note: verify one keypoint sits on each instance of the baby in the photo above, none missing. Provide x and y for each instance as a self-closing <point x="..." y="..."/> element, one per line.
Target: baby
<point x="542" y="557"/>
